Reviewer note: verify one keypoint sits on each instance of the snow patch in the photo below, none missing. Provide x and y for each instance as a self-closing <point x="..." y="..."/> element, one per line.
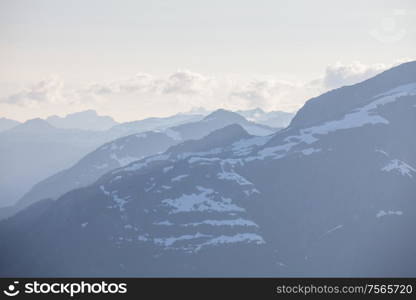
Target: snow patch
<point x="383" y="213"/>
<point x="245" y="146"/>
<point x="203" y="160"/>
<point x="118" y="201"/>
<point x="201" y="201"/>
<point x="232" y="223"/>
<point x="179" y="178"/>
<point x="103" y="166"/>
<point x="141" y="164"/>
<point x="167" y="169"/>
<point x="309" y="151"/>
<point x="238" y="238"/>
<point x="143" y="238"/>
<point x="333" y="229"/>
<point x="400" y="166"/>
<point x="123" y="161"/>
<point x="357" y="118"/>
<point x="173" y="134"/>
<point x="118" y="177"/>
<point x="164" y="223"/>
<point x="169" y="241"/>
<point x="232" y="176"/>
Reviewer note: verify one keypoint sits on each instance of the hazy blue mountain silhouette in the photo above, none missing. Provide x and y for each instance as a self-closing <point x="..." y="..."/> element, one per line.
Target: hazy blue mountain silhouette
<point x="33" y="150"/>
<point x="153" y="124"/>
<point x="125" y="150"/>
<point x="86" y="120"/>
<point x="6" y="124"/>
<point x="277" y="119"/>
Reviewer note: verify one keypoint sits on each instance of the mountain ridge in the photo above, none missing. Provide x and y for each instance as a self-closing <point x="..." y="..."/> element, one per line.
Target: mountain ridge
<point x="330" y="196"/>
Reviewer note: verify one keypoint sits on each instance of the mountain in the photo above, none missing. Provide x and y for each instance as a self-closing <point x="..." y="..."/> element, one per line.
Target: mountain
<point x="218" y="119"/>
<point x="85" y="120"/>
<point x="125" y="150"/>
<point x="276" y="119"/>
<point x="152" y="124"/>
<point x="32" y="126"/>
<point x="33" y="150"/>
<point x="6" y="124"/>
<point x="90" y="121"/>
<point x="324" y="108"/>
<point x="330" y="195"/>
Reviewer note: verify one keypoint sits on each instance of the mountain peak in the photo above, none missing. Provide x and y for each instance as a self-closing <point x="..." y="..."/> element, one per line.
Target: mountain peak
<point x="216" y="139"/>
<point x="336" y="103"/>
<point x="88" y="113"/>
<point x="6" y="124"/>
<point x="256" y="110"/>
<point x="233" y="130"/>
<point x="34" y="124"/>
<point x="87" y="120"/>
<point x="222" y="114"/>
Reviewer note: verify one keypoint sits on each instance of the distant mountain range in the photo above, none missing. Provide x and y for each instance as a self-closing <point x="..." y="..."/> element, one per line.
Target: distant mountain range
<point x="333" y="194"/>
<point x="6" y="124"/>
<point x="29" y="150"/>
<point x="91" y="121"/>
<point x="277" y="119"/>
<point x="86" y="120"/>
<point x="34" y="150"/>
<point x="124" y="150"/>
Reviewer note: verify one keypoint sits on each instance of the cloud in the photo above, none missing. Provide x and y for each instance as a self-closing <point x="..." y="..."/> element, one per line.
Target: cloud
<point x="145" y="94"/>
<point x="186" y="83"/>
<point x="190" y="89"/>
<point x="45" y="91"/>
<point x="339" y="74"/>
<point x="141" y="82"/>
<point x="273" y="94"/>
<point x="182" y="82"/>
<point x="261" y="90"/>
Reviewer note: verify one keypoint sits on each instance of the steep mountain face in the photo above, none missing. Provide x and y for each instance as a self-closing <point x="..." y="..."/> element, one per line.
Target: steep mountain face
<point x="276" y="119"/>
<point x="324" y="108"/>
<point x="324" y="197"/>
<point x="125" y="150"/>
<point x="85" y="120"/>
<point x="6" y="124"/>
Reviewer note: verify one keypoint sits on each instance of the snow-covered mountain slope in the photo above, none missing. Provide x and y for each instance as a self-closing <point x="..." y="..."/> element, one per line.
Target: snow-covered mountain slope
<point x="6" y="124"/>
<point x="125" y="150"/>
<point x="324" y="108"/>
<point x="331" y="197"/>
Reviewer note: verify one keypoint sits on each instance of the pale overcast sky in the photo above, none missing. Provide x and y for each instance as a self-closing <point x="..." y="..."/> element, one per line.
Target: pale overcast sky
<point x="133" y="59"/>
